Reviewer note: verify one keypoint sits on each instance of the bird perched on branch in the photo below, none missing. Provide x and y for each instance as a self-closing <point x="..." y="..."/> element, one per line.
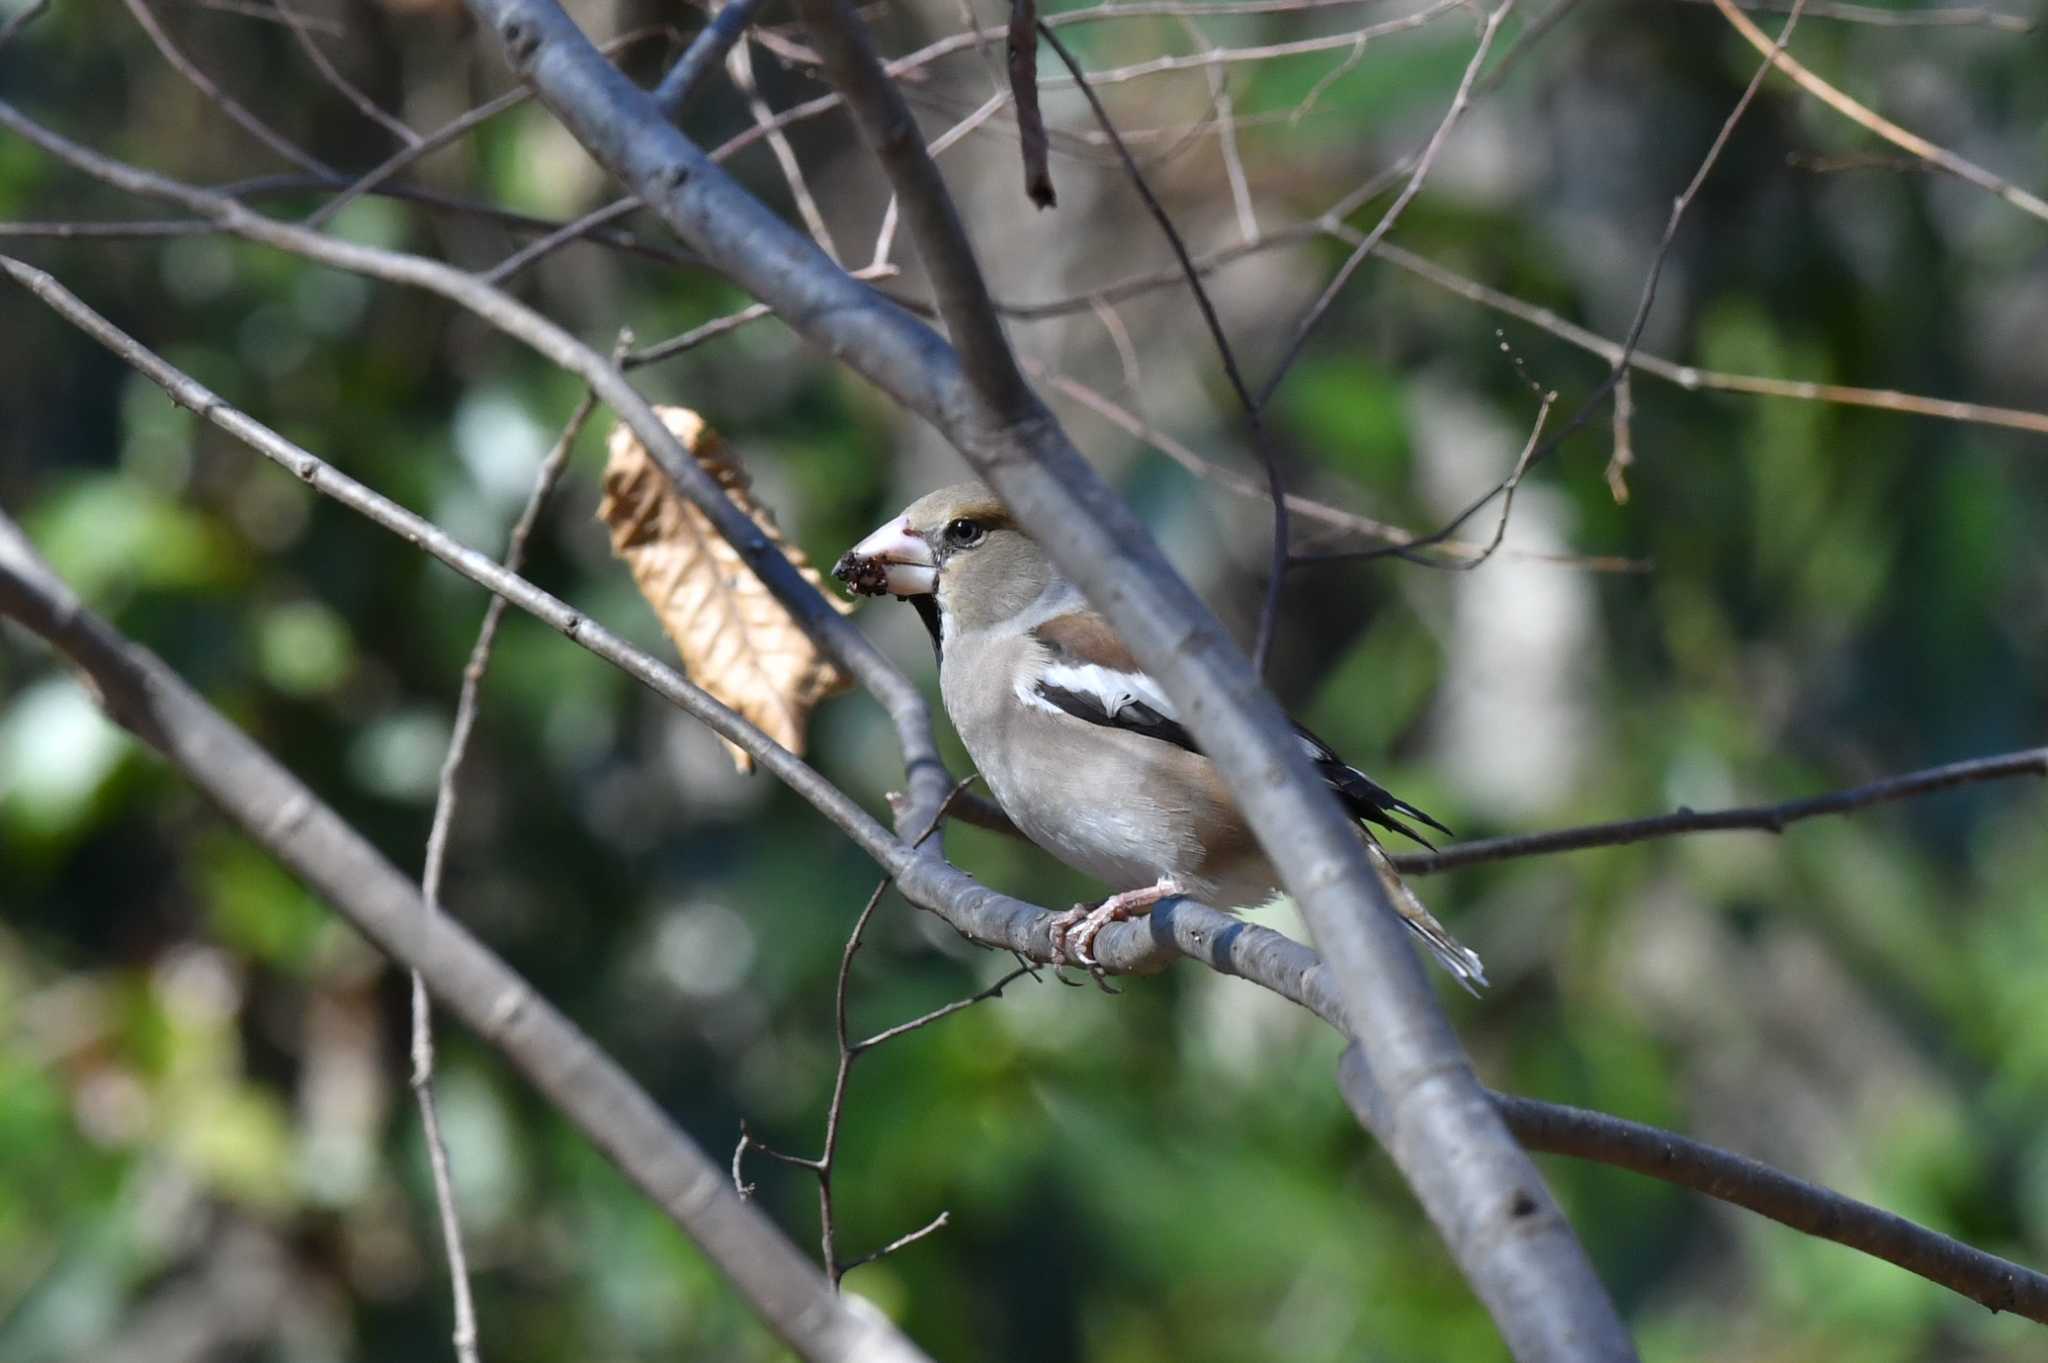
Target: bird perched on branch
<point x="1083" y="750"/>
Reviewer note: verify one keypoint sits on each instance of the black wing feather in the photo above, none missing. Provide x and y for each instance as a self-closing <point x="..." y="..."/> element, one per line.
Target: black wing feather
<point x="1133" y="715"/>
<point x="1365" y="798"/>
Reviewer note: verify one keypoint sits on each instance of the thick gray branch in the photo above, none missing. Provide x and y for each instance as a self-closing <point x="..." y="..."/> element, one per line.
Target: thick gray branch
<point x="282" y="815"/>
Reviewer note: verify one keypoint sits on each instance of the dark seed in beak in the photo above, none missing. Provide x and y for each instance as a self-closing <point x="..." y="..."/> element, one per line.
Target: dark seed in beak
<point x="863" y="574"/>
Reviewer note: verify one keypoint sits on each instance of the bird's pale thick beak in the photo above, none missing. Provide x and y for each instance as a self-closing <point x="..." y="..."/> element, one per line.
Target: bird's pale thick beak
<point x="894" y="560"/>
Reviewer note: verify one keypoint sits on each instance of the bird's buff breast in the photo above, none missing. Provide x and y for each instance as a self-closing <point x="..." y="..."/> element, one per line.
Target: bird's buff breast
<point x="1072" y="795"/>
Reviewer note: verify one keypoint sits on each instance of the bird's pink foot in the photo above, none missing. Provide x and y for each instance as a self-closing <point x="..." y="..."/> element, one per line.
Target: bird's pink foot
<point x="1074" y="932"/>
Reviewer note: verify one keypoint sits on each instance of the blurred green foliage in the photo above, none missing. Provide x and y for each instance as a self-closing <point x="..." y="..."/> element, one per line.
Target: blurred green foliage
<point x="207" y="1146"/>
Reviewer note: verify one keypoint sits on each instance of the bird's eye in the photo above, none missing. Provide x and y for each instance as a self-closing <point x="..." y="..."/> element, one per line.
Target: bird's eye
<point x="964" y="533"/>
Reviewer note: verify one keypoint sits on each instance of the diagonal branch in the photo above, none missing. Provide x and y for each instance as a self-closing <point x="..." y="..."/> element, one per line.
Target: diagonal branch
<point x="1984" y="1278"/>
<point x="705" y="51"/>
<point x="1891" y="132"/>
<point x="211" y="90"/>
<point x="283" y="816"/>
<point x="1364" y="247"/>
<point x="834" y="633"/>
<point x="1619" y="366"/>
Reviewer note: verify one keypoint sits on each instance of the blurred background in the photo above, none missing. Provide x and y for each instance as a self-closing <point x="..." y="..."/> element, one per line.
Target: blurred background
<point x="207" y="1148"/>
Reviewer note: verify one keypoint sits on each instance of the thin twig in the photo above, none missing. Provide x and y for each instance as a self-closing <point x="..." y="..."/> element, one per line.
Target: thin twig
<point x="885" y="235"/>
<point x="994" y="991"/>
<point x="1299" y="47"/>
<point x="219" y="98"/>
<point x="465" y="1337"/>
<point x="274" y="14"/>
<point x="739" y="66"/>
<point x="825" y="1164"/>
<point x="1777" y="56"/>
<point x="900" y="1242"/>
<point x="1299" y="504"/>
<point x="1254" y="411"/>
<point x="453" y="130"/>
<point x="914" y="63"/>
<point x="1459" y="103"/>
<point x="705" y="51"/>
<point x="1624" y="455"/>
<point x="541" y="248"/>
<point x="1879" y="17"/>
<point x="835" y="1110"/>
<point x="1773" y="818"/>
<point x="435" y="200"/>
<point x="739" y="1156"/>
<point x="1690" y="377"/>
<point x="1545" y="400"/>
<point x="1644" y="303"/>
<point x="1323" y="83"/>
<point x="1226" y="148"/>
<point x="1524" y="42"/>
<point x="1021" y="48"/>
<point x="731" y="322"/>
<point x="302" y="30"/>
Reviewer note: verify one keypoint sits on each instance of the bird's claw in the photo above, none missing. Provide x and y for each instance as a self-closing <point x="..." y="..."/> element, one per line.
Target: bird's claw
<point x="1073" y="938"/>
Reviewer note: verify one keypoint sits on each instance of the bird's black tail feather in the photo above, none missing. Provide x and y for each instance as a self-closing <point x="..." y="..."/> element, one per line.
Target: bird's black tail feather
<point x="1375" y="804"/>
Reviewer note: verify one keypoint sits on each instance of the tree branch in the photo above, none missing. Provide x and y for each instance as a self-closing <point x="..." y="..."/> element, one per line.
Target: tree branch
<point x="704" y="53"/>
<point x="1754" y="818"/>
<point x="1984" y="1278"/>
<point x="1364" y="247"/>
<point x="1877" y="123"/>
<point x="284" y="817"/>
<point x="835" y="634"/>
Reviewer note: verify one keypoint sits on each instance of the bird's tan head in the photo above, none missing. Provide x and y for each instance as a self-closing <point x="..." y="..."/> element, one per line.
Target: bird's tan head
<point x="958" y="545"/>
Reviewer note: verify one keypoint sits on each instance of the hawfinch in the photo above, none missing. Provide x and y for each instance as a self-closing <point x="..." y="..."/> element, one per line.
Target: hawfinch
<point x="1082" y="750"/>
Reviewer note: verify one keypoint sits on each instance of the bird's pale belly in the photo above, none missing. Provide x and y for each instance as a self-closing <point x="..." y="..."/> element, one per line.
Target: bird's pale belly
<point x="1125" y="845"/>
<point x="1085" y="813"/>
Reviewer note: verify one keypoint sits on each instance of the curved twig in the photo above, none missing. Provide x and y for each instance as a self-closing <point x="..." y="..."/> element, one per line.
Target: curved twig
<point x="1986" y="1279"/>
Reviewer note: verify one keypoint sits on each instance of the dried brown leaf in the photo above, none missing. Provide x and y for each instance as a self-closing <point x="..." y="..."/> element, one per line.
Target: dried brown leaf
<point x="735" y="638"/>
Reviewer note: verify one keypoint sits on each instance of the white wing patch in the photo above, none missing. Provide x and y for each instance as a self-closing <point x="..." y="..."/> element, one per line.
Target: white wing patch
<point x="1113" y="688"/>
